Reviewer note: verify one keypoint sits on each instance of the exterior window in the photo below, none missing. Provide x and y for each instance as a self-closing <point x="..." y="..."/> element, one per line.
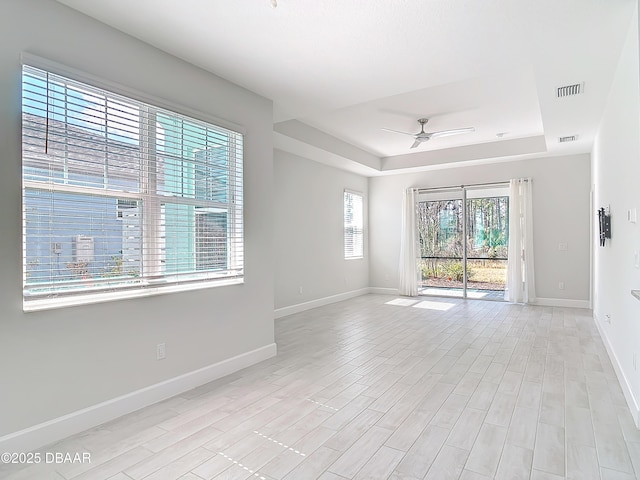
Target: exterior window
<point x="353" y="225"/>
<point x="120" y="195"/>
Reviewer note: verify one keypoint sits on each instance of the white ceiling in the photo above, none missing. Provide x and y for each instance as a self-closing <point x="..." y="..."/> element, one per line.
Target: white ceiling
<point x="348" y="68"/>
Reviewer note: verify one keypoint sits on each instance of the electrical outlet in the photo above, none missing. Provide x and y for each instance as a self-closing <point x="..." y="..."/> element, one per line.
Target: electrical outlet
<point x="561" y="285"/>
<point x="161" y="351"/>
<point x="607" y="318"/>
<point x="300" y="290"/>
<point x="635" y="361"/>
<point x="562" y="247"/>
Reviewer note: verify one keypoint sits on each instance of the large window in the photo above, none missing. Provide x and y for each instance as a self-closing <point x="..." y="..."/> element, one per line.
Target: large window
<point x="353" y="225"/>
<point x="122" y="195"/>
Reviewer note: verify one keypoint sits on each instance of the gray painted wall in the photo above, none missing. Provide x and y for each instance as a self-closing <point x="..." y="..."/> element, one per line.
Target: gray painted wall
<point x="59" y="361"/>
<point x="309" y="251"/>
<point x="616" y="172"/>
<point x="561" y="192"/>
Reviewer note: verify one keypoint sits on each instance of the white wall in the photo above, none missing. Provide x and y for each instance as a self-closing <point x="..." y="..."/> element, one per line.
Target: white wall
<point x="616" y="173"/>
<point x="60" y="361"/>
<point x="309" y="246"/>
<point x="561" y="190"/>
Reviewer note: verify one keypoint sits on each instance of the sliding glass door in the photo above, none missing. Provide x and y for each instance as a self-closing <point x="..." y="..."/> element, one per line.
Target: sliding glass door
<point x="463" y="235"/>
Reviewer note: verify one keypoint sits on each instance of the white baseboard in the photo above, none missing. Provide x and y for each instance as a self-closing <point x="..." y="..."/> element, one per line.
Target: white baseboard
<point x="562" y="302"/>
<point x="624" y="383"/>
<point x="384" y="291"/>
<point x="301" y="307"/>
<point x="54" y="430"/>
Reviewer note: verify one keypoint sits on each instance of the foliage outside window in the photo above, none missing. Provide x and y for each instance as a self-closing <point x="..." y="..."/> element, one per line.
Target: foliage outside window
<point x="440" y="228"/>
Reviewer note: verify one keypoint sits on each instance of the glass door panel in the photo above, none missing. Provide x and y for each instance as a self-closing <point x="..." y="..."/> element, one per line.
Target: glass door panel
<point x="487" y="245"/>
<point x="440" y="229"/>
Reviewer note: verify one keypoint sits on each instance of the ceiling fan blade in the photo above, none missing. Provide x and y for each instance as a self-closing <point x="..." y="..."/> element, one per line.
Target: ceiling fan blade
<point x="397" y="131"/>
<point x="446" y="133"/>
<point x="415" y="144"/>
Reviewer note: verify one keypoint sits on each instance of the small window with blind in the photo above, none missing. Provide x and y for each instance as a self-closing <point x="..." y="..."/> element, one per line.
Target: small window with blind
<point x="353" y="225"/>
<point x="120" y="196"/>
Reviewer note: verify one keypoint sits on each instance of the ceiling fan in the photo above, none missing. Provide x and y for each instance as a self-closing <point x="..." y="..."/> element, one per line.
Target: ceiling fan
<point x="423" y="136"/>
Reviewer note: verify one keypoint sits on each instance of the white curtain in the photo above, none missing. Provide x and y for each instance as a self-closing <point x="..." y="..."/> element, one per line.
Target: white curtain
<point x="520" y="278"/>
<point x="408" y="245"/>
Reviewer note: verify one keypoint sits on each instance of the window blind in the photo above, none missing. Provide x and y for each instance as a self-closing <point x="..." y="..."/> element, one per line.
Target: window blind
<point x="120" y="194"/>
<point x="353" y="225"/>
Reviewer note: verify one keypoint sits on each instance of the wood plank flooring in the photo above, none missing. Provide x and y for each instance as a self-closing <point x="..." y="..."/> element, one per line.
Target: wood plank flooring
<point x="378" y="388"/>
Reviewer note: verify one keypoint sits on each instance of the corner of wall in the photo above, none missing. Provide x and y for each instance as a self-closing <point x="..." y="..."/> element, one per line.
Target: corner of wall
<point x="632" y="402"/>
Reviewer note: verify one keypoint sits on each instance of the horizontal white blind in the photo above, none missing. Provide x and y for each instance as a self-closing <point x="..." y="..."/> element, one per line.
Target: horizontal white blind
<point x="121" y="194"/>
<point x="353" y="225"/>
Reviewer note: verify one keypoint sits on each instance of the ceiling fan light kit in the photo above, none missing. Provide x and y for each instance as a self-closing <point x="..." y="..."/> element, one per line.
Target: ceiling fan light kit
<point x="423" y="136"/>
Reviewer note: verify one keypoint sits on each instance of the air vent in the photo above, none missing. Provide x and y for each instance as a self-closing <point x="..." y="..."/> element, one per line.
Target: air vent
<point x="570" y="90"/>
<point x="571" y="138"/>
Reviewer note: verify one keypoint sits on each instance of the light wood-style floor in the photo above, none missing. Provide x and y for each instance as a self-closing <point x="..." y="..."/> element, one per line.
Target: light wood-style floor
<point x="383" y="388"/>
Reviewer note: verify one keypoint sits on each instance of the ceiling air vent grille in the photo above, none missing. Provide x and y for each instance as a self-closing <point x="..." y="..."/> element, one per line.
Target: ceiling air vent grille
<point x="570" y="90"/>
<point x="570" y="138"/>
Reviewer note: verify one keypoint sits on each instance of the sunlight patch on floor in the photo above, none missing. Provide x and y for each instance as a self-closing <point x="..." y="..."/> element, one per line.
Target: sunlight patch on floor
<point x="402" y="302"/>
<point x="429" y="305"/>
<point x="426" y="304"/>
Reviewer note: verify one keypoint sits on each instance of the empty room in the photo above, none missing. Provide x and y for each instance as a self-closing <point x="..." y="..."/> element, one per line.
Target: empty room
<point x="273" y="239"/>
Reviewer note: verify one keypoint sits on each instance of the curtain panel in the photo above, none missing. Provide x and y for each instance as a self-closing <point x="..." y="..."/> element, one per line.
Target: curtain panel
<point x="409" y="245"/>
<point x="520" y="274"/>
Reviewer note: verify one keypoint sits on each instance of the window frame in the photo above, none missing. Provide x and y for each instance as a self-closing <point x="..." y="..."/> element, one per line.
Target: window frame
<point x="147" y="288"/>
<point x="353" y="225"/>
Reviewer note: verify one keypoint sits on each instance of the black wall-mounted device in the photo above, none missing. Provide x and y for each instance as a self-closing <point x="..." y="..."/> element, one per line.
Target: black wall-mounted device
<point x="605" y="225"/>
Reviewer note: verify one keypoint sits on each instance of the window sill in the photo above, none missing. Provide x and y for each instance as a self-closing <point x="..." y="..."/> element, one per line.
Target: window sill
<point x="101" y="297"/>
